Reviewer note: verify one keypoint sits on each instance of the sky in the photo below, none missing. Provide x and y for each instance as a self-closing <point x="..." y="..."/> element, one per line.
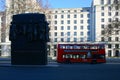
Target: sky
<point x="1" y="5"/>
<point x="69" y="3"/>
<point x="64" y="3"/>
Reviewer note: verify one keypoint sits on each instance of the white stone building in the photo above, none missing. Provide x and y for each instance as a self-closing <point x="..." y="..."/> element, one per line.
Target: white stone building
<point x="102" y="15"/>
<point x="69" y="25"/>
<point x="83" y="25"/>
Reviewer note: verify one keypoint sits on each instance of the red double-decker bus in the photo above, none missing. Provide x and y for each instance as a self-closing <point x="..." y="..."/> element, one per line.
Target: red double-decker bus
<point x="89" y="53"/>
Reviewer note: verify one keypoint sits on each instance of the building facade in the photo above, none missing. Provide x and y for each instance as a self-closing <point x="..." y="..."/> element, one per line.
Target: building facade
<point x="78" y="25"/>
<point x="85" y="25"/>
<point x="2" y="30"/>
<point x="69" y="25"/>
<point x="5" y="20"/>
<point x="102" y="15"/>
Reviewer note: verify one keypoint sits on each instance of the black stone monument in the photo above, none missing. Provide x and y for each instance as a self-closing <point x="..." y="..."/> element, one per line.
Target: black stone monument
<point x="29" y="34"/>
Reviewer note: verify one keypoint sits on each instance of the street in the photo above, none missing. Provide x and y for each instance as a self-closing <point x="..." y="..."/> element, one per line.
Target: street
<point x="57" y="71"/>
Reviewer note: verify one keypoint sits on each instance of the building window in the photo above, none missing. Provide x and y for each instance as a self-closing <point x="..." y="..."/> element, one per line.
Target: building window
<point x="68" y="16"/>
<point x="116" y="38"/>
<point x="55" y="33"/>
<point x="102" y="39"/>
<point x="88" y="21"/>
<point x="75" y="16"/>
<point x="116" y="19"/>
<point x="102" y="20"/>
<point x="81" y="39"/>
<point x="75" y="21"/>
<point x="56" y="11"/>
<point x="55" y="40"/>
<point x="117" y="53"/>
<point x="102" y="8"/>
<point x="88" y="39"/>
<point x="81" y="21"/>
<point x="117" y="32"/>
<point x="117" y="7"/>
<point x="117" y="46"/>
<point x="81" y="27"/>
<point x="88" y="33"/>
<point x="68" y="33"/>
<point x="109" y="39"/>
<point x="55" y="53"/>
<point x="81" y="33"/>
<point x="55" y="17"/>
<point x="109" y="46"/>
<point x="109" y="20"/>
<point x="109" y="8"/>
<point x="55" y="22"/>
<point x="55" y="28"/>
<point x="102" y="26"/>
<point x="109" y="1"/>
<point x="62" y="11"/>
<point x="68" y="21"/>
<point x="62" y="22"/>
<point x="75" y="39"/>
<point x="68" y="39"/>
<point x="62" y="16"/>
<point x="81" y="15"/>
<point x="68" y="10"/>
<point x="62" y="27"/>
<point x="68" y="27"/>
<point x="110" y="32"/>
<point x="109" y="13"/>
<point x="75" y="33"/>
<point x="75" y="10"/>
<point x="88" y="27"/>
<point x="116" y="13"/>
<point x="55" y="46"/>
<point x="62" y="33"/>
<point x="88" y="15"/>
<point x="75" y="27"/>
<point x="62" y="39"/>
<point x="102" y="2"/>
<point x="49" y="17"/>
<point x="102" y="32"/>
<point x="102" y="14"/>
<point x="109" y="53"/>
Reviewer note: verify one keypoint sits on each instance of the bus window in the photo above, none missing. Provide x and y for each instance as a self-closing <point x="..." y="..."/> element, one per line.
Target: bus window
<point x="83" y="56"/>
<point x="71" y="56"/>
<point x="71" y="47"/>
<point x="97" y="56"/>
<point x="77" y="56"/>
<point x="101" y="47"/>
<point x="89" y="54"/>
<point x="81" y="52"/>
<point x="63" y="56"/>
<point x="93" y="47"/>
<point x="101" y="57"/>
<point x="62" y="47"/>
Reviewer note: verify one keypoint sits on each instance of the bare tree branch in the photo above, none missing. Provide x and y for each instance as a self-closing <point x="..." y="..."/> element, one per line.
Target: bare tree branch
<point x="114" y="26"/>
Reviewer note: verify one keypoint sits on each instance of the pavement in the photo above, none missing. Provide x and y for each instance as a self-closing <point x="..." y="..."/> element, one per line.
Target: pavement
<point x="113" y="60"/>
<point x="6" y="61"/>
<point x="56" y="71"/>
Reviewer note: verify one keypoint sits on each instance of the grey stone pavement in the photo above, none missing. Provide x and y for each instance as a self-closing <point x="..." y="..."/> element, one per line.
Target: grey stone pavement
<point x="5" y="61"/>
<point x="57" y="71"/>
